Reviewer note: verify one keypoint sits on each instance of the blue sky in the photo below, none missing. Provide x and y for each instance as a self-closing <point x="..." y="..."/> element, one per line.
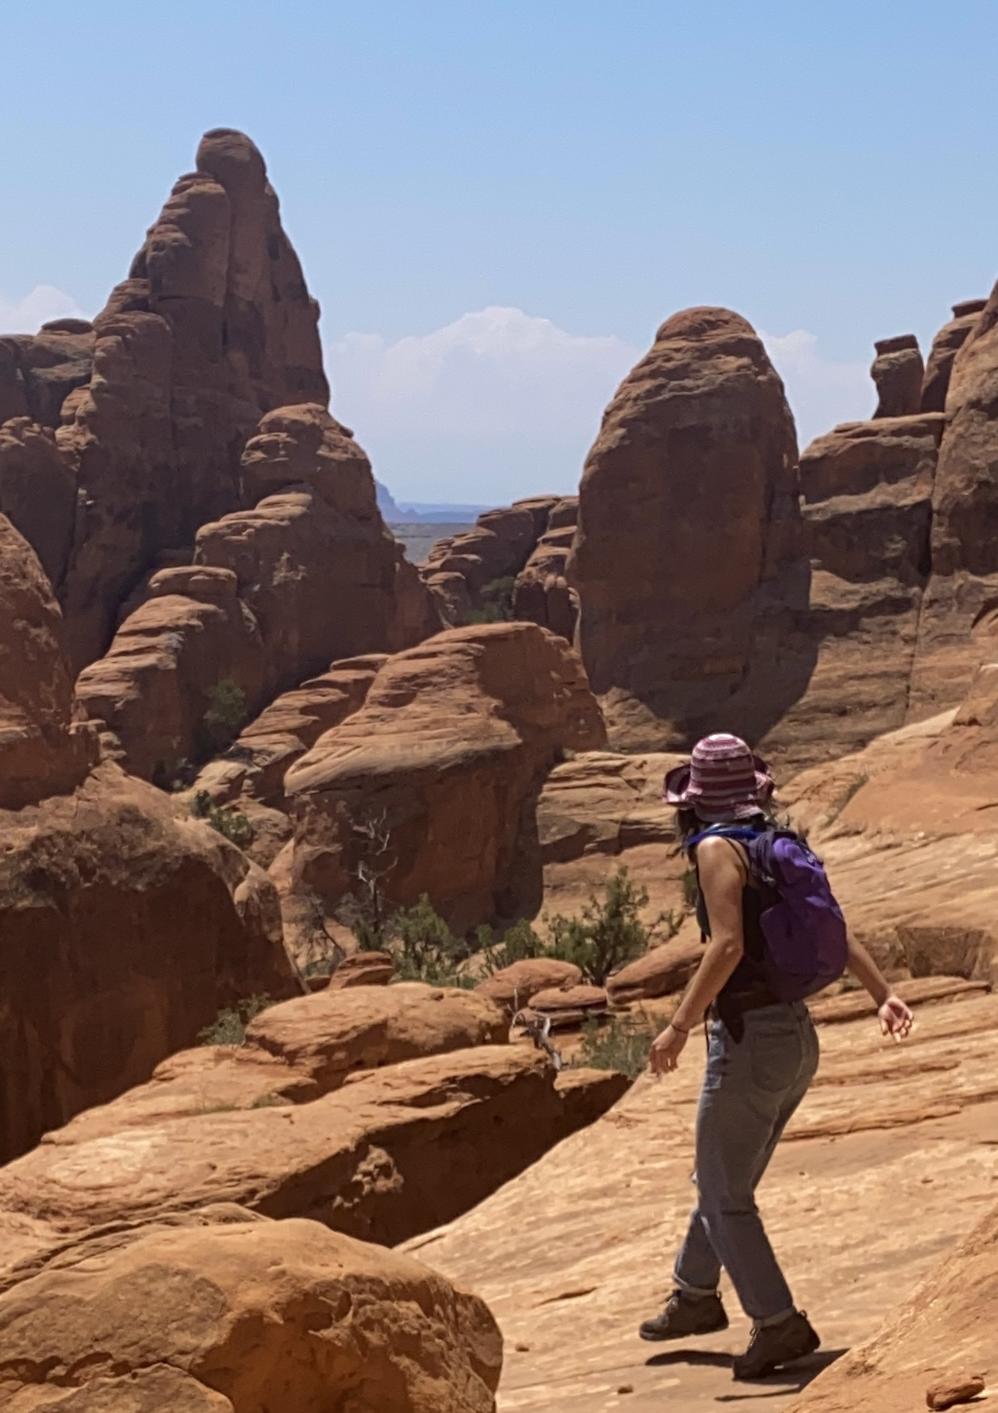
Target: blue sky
<point x="497" y="203"/>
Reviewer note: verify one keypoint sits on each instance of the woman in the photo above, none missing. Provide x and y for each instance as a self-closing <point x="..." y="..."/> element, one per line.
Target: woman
<point x="762" y="1056"/>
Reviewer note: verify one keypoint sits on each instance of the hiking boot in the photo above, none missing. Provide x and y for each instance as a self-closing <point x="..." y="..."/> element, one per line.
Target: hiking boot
<point x="686" y="1315"/>
<point x="772" y="1346"/>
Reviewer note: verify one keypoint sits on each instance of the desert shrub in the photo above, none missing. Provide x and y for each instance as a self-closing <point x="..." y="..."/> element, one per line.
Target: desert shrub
<point x="622" y="1044"/>
<point x="227" y="820"/>
<point x="609" y="932"/>
<point x="229" y="1026"/>
<point x="425" y="948"/>
<point x="224" y="714"/>
<point x="495" y="602"/>
<point x="517" y="944"/>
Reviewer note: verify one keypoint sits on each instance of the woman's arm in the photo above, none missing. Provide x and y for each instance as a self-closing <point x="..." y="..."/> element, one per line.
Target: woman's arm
<point x="895" y="1017"/>
<point x="722" y="879"/>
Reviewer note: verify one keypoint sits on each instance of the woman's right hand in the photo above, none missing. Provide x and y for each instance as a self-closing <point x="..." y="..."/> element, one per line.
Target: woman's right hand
<point x="895" y="1018"/>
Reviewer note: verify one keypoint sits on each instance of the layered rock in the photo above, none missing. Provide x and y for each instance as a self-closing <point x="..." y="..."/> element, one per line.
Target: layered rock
<point x="945" y="346"/>
<point x="253" y="612"/>
<point x="958" y="622"/>
<point x="122" y="930"/>
<point x="232" y="1312"/>
<point x="527" y="542"/>
<point x="213" y="326"/>
<point x="315" y="537"/>
<point x="897" y="372"/>
<point x="688" y="558"/>
<point x="37" y="492"/>
<point x="449" y="750"/>
<point x="154" y="688"/>
<point x="868" y="490"/>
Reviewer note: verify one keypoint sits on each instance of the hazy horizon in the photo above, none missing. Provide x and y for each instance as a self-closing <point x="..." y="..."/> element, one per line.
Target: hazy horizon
<point x="497" y="205"/>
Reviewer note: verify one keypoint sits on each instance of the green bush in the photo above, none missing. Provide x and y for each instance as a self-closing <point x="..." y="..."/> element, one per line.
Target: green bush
<point x="517" y="944"/>
<point x="228" y="821"/>
<point x="496" y="602"/>
<point x="229" y="1026"/>
<point x="224" y="714"/>
<point x="425" y="948"/>
<point x="609" y="933"/>
<point x="623" y="1044"/>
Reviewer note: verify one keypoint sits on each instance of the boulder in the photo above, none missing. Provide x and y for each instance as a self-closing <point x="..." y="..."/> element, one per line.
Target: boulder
<point x="567" y="1007"/>
<point x="449" y="750"/>
<point x="365" y="1160"/>
<point x="688" y="557"/>
<point x="514" y="986"/>
<point x="334" y="1033"/>
<point x="363" y="969"/>
<point x="945" y="346"/>
<point x="897" y="372"/>
<point x="662" y="971"/>
<point x="236" y="1313"/>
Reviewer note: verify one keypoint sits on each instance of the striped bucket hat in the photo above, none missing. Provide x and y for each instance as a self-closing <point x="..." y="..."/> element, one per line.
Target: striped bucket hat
<point x="723" y="780"/>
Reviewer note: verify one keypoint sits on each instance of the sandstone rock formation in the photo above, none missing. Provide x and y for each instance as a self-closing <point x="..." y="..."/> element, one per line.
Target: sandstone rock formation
<point x="450" y="749"/>
<point x="364" y="1159"/>
<point x="868" y="490"/>
<point x="513" y="987"/>
<point x="527" y="542"/>
<point x="957" y="626"/>
<point x="945" y="346"/>
<point x="253" y="612"/>
<point x="233" y="1314"/>
<point x="688" y="558"/>
<point x="122" y="930"/>
<point x="897" y="372"/>
<point x="37" y="491"/>
<point x="38" y="372"/>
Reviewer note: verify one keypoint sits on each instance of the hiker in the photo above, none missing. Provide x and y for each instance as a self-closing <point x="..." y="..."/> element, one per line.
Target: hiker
<point x="762" y="1044"/>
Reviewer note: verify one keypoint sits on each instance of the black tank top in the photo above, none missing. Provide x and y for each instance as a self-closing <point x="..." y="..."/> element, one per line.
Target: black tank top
<point x="749" y="974"/>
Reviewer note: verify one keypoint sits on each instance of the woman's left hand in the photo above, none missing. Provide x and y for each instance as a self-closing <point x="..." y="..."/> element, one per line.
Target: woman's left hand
<point x="666" y="1050"/>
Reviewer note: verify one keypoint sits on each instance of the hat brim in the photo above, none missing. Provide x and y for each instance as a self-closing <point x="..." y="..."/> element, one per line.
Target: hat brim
<point x="678" y="791"/>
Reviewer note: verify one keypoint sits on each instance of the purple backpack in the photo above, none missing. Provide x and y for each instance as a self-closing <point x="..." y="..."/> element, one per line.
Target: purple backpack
<point x="802" y="924"/>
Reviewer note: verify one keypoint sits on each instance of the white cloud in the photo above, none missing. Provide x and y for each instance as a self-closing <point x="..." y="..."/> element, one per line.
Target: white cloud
<point x="501" y="403"/>
<point x="496" y="405"/>
<point x="27" y="313"/>
<point x="820" y="391"/>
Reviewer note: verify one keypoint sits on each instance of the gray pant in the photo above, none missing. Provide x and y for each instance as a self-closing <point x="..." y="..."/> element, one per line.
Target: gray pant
<point x="750" y="1090"/>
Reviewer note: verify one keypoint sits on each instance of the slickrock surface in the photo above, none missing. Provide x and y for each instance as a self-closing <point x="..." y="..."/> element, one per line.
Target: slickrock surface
<point x="688" y="558"/>
<point x="451" y="747"/>
<point x="233" y="1314"/>
<point x="945" y="346"/>
<point x="890" y="1163"/>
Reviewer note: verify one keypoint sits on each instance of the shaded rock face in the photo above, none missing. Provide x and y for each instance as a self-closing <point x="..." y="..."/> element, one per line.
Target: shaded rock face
<point x="868" y="489"/>
<point x="39" y="371"/>
<point x="960" y="614"/>
<point x="37" y="492"/>
<point x="213" y="327"/>
<point x="41" y="751"/>
<point x="945" y="346"/>
<point x="688" y="557"/>
<point x="450" y="747"/>
<point x="898" y="372"/>
<point x="230" y="1313"/>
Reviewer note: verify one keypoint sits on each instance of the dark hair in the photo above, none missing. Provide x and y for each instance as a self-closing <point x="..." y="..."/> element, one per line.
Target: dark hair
<point x="689" y="823"/>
